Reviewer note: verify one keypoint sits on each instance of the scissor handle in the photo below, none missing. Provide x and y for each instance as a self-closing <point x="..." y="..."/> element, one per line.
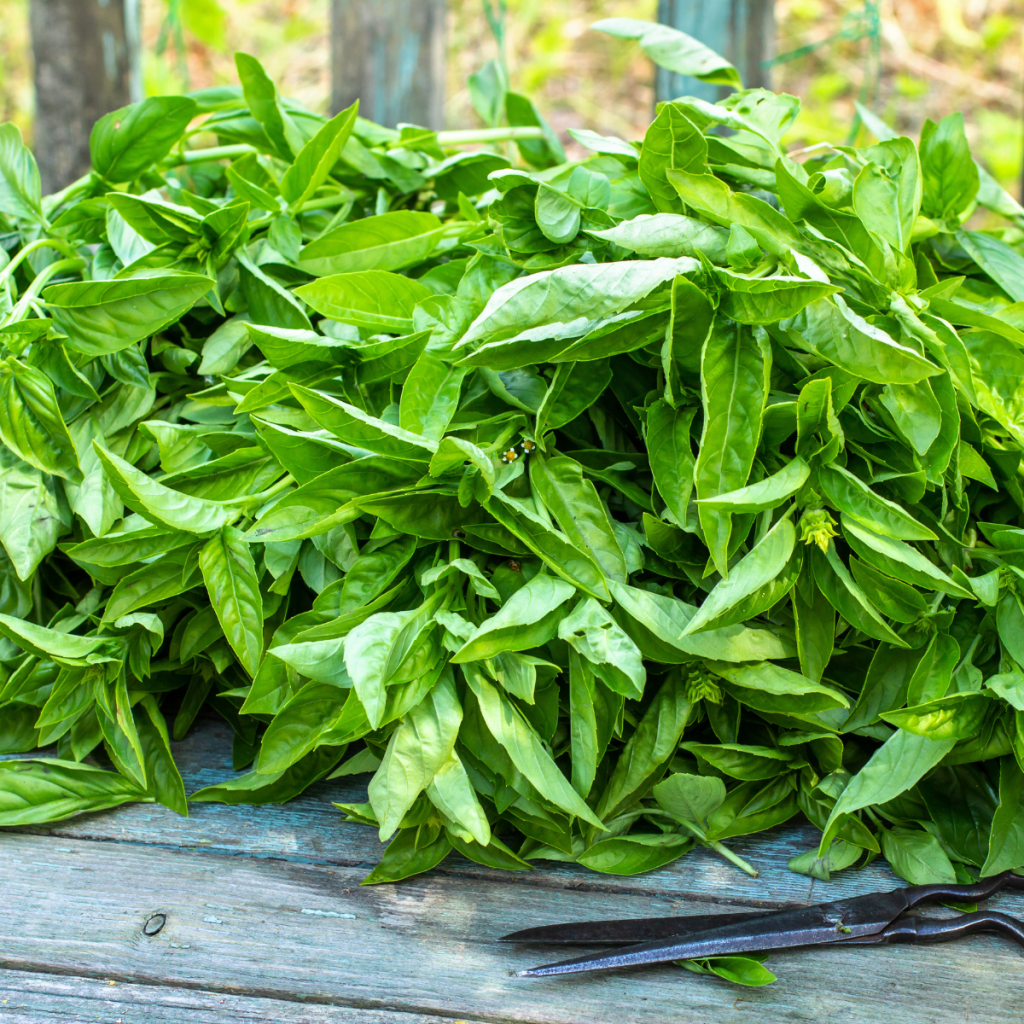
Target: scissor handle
<point x="980" y="890"/>
<point x="915" y="930"/>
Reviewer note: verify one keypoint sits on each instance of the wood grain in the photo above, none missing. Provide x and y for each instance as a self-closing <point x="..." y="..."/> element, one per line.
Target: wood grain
<point x="27" y="998"/>
<point x="85" y="53"/>
<point x="295" y="932"/>
<point x="389" y="55"/>
<point x="266" y="921"/>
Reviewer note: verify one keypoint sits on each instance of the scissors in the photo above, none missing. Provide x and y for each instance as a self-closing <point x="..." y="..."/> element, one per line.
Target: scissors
<point x="873" y="920"/>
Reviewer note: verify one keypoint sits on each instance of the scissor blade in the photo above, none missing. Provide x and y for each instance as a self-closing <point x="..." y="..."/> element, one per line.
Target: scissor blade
<point x="621" y="933"/>
<point x="817" y="925"/>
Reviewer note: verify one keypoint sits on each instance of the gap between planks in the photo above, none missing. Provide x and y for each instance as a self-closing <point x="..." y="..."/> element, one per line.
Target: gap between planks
<point x="237" y="927"/>
<point x="423" y="950"/>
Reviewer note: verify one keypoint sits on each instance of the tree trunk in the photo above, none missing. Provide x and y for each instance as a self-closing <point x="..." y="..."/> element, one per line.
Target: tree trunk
<point x="86" y="64"/>
<point x="389" y="54"/>
<point x="742" y="31"/>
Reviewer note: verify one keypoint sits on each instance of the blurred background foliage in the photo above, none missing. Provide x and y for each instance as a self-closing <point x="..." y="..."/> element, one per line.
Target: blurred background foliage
<point x="908" y="59"/>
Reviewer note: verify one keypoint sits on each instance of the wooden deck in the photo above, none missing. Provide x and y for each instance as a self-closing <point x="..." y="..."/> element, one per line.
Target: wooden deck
<point x="266" y="922"/>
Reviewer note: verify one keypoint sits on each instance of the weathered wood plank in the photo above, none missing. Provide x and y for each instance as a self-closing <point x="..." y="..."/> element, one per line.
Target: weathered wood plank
<point x="309" y="829"/>
<point x="86" y="55"/>
<point x="27" y="998"/>
<point x="743" y="31"/>
<point x="288" y="931"/>
<point x="389" y="55"/>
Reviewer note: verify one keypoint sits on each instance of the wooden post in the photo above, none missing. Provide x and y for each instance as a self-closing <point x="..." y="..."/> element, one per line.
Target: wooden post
<point x="86" y="64"/>
<point x="389" y="54"/>
<point x="743" y="31"/>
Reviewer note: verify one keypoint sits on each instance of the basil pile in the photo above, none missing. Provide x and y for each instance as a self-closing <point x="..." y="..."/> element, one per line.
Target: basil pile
<point x="598" y="508"/>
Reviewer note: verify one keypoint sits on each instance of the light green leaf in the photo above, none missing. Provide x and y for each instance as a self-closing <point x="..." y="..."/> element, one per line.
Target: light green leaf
<point x="160" y="504"/>
<point x="230" y="576"/>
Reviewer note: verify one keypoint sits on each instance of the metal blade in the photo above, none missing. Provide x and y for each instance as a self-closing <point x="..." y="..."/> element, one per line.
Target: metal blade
<point x="625" y="932"/>
<point x="810" y="926"/>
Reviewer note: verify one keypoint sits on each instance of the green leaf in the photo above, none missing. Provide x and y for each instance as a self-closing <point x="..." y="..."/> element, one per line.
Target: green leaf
<point x="45" y="789"/>
<point x="102" y="317"/>
<point x="563" y="295"/>
<point x="452" y="793"/>
<point x="20" y="187"/>
<point x="376" y="649"/>
<point x="31" y="423"/>
<point x="545" y="152"/>
<point x="839" y="589"/>
<point x="528" y="619"/>
<point x="404" y="858"/>
<point x="740" y="970"/>
<point x="375" y="299"/>
<point x="950" y="174"/>
<point x="735" y="366"/>
<point x="856" y="499"/>
<point x="525" y="748"/>
<point x="672" y="141"/>
<point x="558" y="215"/>
<point x="958" y="716"/>
<point x="276" y="788"/>
<point x="754" y="570"/>
<point x="315" y="161"/>
<point x="653" y="744"/>
<point x="1002" y="263"/>
<point x="747" y="762"/>
<point x="836" y="333"/>
<point x="667" y="234"/>
<point x="165" y="782"/>
<point x="356" y="427"/>
<point x="656" y="622"/>
<point x="45" y="642"/>
<point x="560" y="554"/>
<point x="430" y="397"/>
<point x="694" y="798"/>
<point x="127" y="142"/>
<point x="887" y="194"/>
<point x="899" y="559"/>
<point x="391" y="241"/>
<point x="265" y="104"/>
<point x="768" y="493"/>
<point x="234" y="589"/>
<point x="319" y="714"/>
<point x="160" y="504"/>
<point x="633" y="855"/>
<point x="612" y="655"/>
<point x="421" y="745"/>
<point x="1006" y="840"/>
<point x="673" y="50"/>
<point x="574" y="503"/>
<point x="772" y="688"/>
<point x="671" y="455"/>
<point x="898" y="765"/>
<point x="917" y="856"/>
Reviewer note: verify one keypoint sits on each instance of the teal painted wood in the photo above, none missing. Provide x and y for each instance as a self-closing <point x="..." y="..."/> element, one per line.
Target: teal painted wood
<point x="28" y="997"/>
<point x="302" y="933"/>
<point x="741" y="30"/>
<point x="266" y="922"/>
<point x="389" y="54"/>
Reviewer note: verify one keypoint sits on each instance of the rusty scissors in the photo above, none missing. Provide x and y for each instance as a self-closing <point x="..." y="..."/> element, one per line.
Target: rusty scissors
<point x="877" y="919"/>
